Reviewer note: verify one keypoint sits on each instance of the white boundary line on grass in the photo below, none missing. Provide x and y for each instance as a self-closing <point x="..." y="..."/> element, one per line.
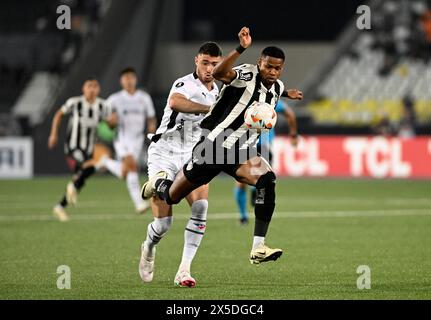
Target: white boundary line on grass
<point x="231" y="215"/>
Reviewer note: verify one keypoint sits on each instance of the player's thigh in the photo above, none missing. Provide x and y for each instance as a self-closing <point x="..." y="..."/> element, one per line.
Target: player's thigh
<point x="241" y="185"/>
<point x="198" y="194"/>
<point x="159" y="160"/>
<point x="129" y="163"/>
<point x="160" y="208"/>
<point x="250" y="171"/>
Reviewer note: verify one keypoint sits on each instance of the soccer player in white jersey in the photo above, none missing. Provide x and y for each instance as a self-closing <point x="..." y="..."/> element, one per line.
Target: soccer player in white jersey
<point x="134" y="111"/>
<point x="189" y="100"/>
<point x="85" y="112"/>
<point x="227" y="145"/>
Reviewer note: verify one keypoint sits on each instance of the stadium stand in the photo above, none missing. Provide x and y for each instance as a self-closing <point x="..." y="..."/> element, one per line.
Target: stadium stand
<point x="379" y="77"/>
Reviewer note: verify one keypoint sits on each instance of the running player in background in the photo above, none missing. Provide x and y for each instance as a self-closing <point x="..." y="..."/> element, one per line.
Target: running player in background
<point x="264" y="147"/>
<point x="189" y="100"/>
<point x="86" y="112"/>
<point x="134" y="112"/>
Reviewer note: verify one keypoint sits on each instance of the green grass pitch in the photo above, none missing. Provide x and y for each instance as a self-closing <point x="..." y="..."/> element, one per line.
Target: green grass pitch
<point x="327" y="228"/>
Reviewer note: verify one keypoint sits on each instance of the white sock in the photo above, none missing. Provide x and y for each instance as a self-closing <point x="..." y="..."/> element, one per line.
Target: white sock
<point x="156" y="230"/>
<point x="115" y="167"/>
<point x="134" y="188"/>
<point x="257" y="241"/>
<point x="194" y="233"/>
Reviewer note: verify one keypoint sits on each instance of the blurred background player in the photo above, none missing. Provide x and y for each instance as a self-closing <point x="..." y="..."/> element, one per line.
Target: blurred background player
<point x="189" y="100"/>
<point x="264" y="147"/>
<point x="86" y="112"/>
<point x="133" y="111"/>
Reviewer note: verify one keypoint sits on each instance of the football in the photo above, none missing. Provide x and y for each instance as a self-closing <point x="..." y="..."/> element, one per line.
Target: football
<point x="260" y="115"/>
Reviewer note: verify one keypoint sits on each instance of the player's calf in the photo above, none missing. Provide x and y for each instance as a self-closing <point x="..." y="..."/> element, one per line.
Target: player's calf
<point x="155" y="232"/>
<point x="264" y="203"/>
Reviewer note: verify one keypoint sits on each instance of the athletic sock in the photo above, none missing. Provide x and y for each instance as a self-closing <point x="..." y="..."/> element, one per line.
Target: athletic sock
<point x="132" y="181"/>
<point x="115" y="167"/>
<point x="83" y="175"/>
<point x="257" y="241"/>
<point x="156" y="230"/>
<point x="194" y="233"/>
<point x="63" y="202"/>
<point x="264" y="206"/>
<point x="241" y="200"/>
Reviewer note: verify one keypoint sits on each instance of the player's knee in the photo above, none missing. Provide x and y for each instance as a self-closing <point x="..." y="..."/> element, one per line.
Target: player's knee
<point x="199" y="209"/>
<point x="266" y="180"/>
<point x="132" y="165"/>
<point x="161" y="225"/>
<point x="265" y="188"/>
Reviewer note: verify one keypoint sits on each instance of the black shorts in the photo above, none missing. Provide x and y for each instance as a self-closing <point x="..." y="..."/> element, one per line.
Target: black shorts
<point x="76" y="158"/>
<point x="201" y="170"/>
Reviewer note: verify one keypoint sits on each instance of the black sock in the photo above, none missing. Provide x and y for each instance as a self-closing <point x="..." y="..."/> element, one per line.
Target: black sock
<point x="264" y="204"/>
<point x="260" y="227"/>
<point x="82" y="176"/>
<point x="63" y="202"/>
<point x="162" y="190"/>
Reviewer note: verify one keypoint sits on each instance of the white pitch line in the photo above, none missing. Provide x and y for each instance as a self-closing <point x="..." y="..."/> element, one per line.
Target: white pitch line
<point x="231" y="215"/>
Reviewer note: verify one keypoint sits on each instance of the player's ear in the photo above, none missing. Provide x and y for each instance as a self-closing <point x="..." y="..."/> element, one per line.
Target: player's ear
<point x="259" y="61"/>
<point x="196" y="60"/>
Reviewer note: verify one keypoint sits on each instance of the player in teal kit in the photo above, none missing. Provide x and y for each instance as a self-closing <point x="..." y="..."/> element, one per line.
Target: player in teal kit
<point x="265" y="148"/>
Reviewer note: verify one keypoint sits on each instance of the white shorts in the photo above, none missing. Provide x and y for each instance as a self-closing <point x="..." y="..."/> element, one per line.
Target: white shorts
<point x="162" y="157"/>
<point x="125" y="148"/>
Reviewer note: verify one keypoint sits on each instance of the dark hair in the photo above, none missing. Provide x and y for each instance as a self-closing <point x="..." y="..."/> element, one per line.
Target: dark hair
<point x="210" y="48"/>
<point x="90" y="78"/>
<point x="128" y="70"/>
<point x="274" y="52"/>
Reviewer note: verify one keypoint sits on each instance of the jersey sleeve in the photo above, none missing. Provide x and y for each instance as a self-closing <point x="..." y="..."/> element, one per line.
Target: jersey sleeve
<point x="149" y="106"/>
<point x="67" y="107"/>
<point x="107" y="109"/>
<point x="184" y="87"/>
<point x="111" y="102"/>
<point x="244" y="73"/>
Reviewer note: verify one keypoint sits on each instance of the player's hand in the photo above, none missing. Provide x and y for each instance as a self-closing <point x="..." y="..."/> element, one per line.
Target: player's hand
<point x="244" y="37"/>
<point x="52" y="141"/>
<point x="295" y="94"/>
<point x="294" y="140"/>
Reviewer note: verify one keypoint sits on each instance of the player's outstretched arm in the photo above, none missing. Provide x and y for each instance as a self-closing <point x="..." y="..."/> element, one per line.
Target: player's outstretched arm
<point x="180" y="103"/>
<point x="293" y="94"/>
<point x="53" y="136"/>
<point x="293" y="126"/>
<point x="151" y="125"/>
<point x="112" y="120"/>
<point x="224" y="69"/>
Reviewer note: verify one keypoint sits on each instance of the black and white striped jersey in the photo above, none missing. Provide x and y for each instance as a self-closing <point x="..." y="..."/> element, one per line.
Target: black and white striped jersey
<point x="82" y="126"/>
<point x="227" y="114"/>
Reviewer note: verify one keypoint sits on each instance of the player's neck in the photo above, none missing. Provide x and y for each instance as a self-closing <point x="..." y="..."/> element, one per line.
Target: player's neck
<point x="90" y="101"/>
<point x="130" y="91"/>
<point x="208" y="85"/>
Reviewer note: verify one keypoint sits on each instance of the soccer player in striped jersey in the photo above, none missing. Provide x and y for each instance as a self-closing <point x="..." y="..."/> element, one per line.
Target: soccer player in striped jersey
<point x="85" y="112"/>
<point x="134" y="113"/>
<point x="227" y="145"/>
<point x="171" y="148"/>
<point x="264" y="147"/>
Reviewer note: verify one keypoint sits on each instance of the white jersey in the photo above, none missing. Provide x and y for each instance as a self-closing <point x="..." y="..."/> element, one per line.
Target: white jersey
<point x="133" y="112"/>
<point x="179" y="132"/>
<point x="186" y="123"/>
